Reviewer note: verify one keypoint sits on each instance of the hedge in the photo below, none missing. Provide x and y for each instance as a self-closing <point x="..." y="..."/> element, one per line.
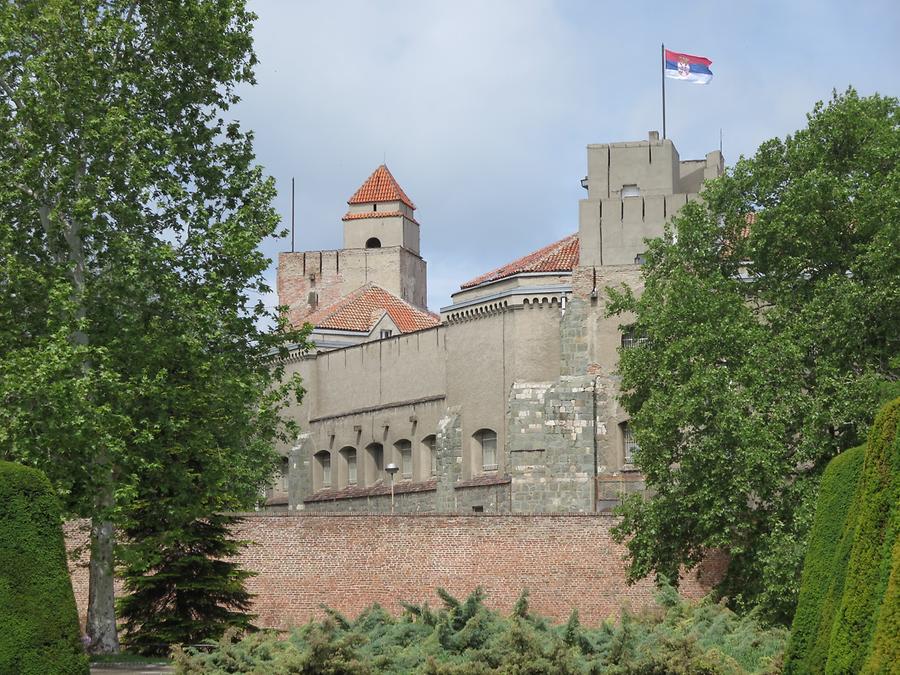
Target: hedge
<point x="873" y="542"/>
<point x="829" y="548"/>
<point x="848" y="616"/>
<point x="885" y="652"/>
<point x="39" y="632"/>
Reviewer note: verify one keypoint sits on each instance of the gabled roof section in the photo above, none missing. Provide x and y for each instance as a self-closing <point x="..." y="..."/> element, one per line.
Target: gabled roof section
<point x="360" y="310"/>
<point x="381" y="186"/>
<point x="561" y="256"/>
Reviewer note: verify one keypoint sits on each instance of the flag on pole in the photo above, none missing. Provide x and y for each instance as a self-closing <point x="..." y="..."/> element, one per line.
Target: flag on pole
<point x="687" y="67"/>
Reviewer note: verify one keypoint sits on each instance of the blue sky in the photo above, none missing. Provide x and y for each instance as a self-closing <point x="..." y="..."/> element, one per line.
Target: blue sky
<point x="483" y="109"/>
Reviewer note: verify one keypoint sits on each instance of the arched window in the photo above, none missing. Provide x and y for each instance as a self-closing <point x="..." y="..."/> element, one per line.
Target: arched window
<point x="486" y="441"/>
<point x="375" y="462"/>
<point x="322" y="470"/>
<point x="348" y="455"/>
<point x="404" y="450"/>
<point x="429" y="459"/>
<point x="373" y="242"/>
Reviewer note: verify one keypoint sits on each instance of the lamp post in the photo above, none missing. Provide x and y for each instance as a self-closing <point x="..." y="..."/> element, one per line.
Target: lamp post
<point x="392" y="469"/>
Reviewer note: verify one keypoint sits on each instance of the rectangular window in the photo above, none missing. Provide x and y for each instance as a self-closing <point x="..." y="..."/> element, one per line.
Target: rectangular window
<point x="326" y="471"/>
<point x="629" y="444"/>
<point x="429" y="443"/>
<point x="489" y="451"/>
<point x="386" y="333"/>
<point x="283" y="478"/>
<point x="351" y="469"/>
<point x="406" y="462"/>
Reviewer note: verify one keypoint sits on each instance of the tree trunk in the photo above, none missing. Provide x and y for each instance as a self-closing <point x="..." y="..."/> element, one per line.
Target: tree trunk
<point x="101" y="618"/>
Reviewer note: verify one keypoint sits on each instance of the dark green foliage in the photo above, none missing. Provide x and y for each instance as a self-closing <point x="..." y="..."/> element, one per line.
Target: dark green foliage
<point x="466" y="638"/>
<point x="181" y="586"/>
<point x="770" y="345"/>
<point x="885" y="652"/>
<point x="847" y="620"/>
<point x="877" y="505"/>
<point x="826" y="561"/>
<point x="39" y="632"/>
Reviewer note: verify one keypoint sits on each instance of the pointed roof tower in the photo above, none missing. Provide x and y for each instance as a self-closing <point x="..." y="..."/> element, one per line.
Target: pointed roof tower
<point x="381" y="186"/>
<point x="380" y="215"/>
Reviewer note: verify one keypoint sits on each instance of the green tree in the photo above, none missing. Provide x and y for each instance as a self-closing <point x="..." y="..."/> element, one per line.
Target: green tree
<point x="133" y="364"/>
<point x="182" y="584"/>
<point x="771" y="310"/>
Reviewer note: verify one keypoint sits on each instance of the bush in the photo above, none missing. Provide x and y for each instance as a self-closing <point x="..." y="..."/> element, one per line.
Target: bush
<point x="465" y="637"/>
<point x="848" y="618"/>
<point x="39" y="632"/>
<point x="829" y="548"/>
<point x="877" y="502"/>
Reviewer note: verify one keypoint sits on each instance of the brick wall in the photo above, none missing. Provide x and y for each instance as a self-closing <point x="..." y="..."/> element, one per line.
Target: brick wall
<point x="351" y="561"/>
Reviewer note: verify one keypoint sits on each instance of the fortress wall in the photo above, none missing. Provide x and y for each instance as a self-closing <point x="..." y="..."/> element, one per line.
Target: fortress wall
<point x="350" y="561"/>
<point x="401" y="368"/>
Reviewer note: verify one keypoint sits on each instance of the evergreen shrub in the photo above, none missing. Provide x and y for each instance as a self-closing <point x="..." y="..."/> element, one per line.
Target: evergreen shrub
<point x="869" y="568"/>
<point x="39" y="631"/>
<point x="848" y="618"/>
<point x="466" y="637"/>
<point x="827" y="555"/>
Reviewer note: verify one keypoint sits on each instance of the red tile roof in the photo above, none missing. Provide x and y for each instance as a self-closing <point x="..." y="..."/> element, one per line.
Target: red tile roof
<point x="364" y="307"/>
<point x="561" y="256"/>
<point x="380" y="187"/>
<point x="375" y="214"/>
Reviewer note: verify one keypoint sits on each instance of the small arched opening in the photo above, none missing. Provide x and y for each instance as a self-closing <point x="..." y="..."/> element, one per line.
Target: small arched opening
<point x="373" y="242"/>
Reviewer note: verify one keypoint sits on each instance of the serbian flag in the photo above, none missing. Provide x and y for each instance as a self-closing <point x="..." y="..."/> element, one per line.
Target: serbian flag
<point x="689" y="68"/>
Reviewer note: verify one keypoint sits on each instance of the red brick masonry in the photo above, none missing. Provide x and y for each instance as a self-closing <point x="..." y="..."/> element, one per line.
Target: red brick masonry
<point x="351" y="561"/>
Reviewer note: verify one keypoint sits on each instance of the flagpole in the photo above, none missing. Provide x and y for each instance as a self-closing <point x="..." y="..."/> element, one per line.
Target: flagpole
<point x="662" y="73"/>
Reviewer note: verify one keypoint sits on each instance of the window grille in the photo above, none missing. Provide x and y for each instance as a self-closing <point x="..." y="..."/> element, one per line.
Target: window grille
<point x="629" y="444"/>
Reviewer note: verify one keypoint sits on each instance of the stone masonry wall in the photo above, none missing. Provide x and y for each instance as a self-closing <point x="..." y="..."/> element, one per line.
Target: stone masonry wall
<point x="551" y="445"/>
<point x="350" y="561"/>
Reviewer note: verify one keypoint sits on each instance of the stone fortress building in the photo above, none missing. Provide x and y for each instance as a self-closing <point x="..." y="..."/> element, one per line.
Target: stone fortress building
<point x="505" y="402"/>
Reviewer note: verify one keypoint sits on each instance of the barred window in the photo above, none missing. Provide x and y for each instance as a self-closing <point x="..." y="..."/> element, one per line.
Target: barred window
<point x="631" y="338"/>
<point x="629" y="445"/>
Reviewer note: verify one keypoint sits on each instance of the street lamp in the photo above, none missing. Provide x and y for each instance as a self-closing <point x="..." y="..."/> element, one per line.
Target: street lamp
<point x="392" y="469"/>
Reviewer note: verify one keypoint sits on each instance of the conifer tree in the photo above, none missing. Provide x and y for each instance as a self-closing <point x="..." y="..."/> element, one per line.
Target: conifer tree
<point x="182" y="585"/>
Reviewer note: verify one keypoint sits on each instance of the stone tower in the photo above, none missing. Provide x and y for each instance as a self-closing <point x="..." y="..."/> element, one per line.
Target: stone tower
<point x="381" y="247"/>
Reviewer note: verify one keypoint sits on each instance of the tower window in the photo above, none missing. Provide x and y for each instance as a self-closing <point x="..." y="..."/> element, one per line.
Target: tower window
<point x="373" y="242"/>
<point x="374" y="207"/>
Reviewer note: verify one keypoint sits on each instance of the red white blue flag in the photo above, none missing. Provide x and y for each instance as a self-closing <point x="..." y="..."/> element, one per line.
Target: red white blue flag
<point x="687" y="67"/>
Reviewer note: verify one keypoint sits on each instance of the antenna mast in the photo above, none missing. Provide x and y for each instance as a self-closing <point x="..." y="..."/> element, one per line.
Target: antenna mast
<point x="292" y="214"/>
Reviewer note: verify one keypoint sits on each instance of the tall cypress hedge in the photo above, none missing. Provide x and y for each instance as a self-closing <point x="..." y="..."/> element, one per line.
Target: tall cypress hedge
<point x="870" y="560"/>
<point x="39" y="633"/>
<point x="848" y="616"/>
<point x="830" y="543"/>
